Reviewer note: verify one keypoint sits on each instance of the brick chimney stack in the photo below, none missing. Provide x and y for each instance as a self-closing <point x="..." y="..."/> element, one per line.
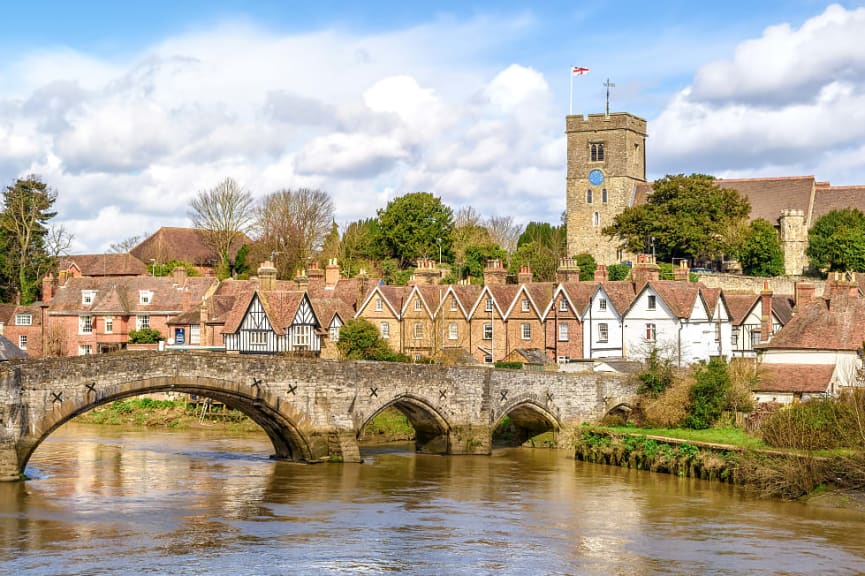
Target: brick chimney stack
<point x="301" y="279"/>
<point x="267" y="276"/>
<point x="494" y="273"/>
<point x="525" y="275"/>
<point x="179" y="275"/>
<point x="645" y="271"/>
<point x="601" y="273"/>
<point x="426" y="272"/>
<point x="48" y="288"/>
<point x="766" y="312"/>
<point x="331" y="273"/>
<point x="568" y="270"/>
<point x="682" y="273"/>
<point x="804" y="294"/>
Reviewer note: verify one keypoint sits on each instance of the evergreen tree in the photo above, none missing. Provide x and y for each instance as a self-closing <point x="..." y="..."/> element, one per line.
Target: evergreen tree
<point x="761" y="253"/>
<point x="836" y="242"/>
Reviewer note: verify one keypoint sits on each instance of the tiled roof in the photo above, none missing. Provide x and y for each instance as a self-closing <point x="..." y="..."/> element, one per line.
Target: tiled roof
<point x="739" y="304"/>
<point x="120" y="295"/>
<point x="187" y="244"/>
<point x="834" y="324"/>
<point x="467" y="294"/>
<point x="9" y="351"/>
<point x="541" y="293"/>
<point x="281" y="307"/>
<point x="828" y="198"/>
<point x="768" y="196"/>
<point x="813" y="378"/>
<point x="106" y="264"/>
<point x="782" y="307"/>
<point x="327" y="308"/>
<point x="679" y="296"/>
<point x="504" y="294"/>
<point x="710" y="296"/>
<point x="579" y="294"/>
<point x="621" y="293"/>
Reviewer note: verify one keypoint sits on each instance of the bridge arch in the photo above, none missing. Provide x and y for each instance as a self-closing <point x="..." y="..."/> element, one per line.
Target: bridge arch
<point x="432" y="430"/>
<point x="529" y="415"/>
<point x="279" y="420"/>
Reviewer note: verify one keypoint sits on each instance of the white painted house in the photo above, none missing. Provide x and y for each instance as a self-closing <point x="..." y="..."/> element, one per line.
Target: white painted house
<point x="602" y="320"/>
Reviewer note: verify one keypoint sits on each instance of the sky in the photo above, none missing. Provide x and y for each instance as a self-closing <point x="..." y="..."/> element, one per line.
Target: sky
<point x="129" y="109"/>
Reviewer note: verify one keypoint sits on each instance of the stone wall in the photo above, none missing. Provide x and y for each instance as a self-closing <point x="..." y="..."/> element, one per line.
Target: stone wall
<point x="754" y="284"/>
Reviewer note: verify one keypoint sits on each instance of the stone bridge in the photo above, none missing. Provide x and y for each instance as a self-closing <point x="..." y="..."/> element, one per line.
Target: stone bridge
<point x="312" y="410"/>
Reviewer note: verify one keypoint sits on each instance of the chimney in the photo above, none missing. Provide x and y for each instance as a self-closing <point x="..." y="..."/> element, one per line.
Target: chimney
<point x="179" y="275"/>
<point x="62" y="277"/>
<point x="601" y="274"/>
<point x="682" y="272"/>
<point x="525" y="275"/>
<point x="426" y="272"/>
<point x="202" y="320"/>
<point x="301" y="279"/>
<point x="315" y="273"/>
<point x="331" y="273"/>
<point x="267" y="276"/>
<point x="645" y="271"/>
<point x="766" y="312"/>
<point x="494" y="273"/>
<point x="568" y="270"/>
<point x="804" y="294"/>
<point x="47" y="288"/>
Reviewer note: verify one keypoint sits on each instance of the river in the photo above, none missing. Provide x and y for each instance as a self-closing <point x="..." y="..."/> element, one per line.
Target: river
<point x="108" y="500"/>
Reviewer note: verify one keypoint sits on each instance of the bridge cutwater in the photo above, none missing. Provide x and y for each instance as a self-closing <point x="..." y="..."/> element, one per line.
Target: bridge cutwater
<point x="312" y="410"/>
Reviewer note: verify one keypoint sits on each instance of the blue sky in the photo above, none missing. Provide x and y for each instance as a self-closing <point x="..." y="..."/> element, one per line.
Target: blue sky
<point x="128" y="109"/>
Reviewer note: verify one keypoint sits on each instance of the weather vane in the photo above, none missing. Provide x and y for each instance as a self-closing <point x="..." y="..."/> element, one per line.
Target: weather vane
<point x="608" y="85"/>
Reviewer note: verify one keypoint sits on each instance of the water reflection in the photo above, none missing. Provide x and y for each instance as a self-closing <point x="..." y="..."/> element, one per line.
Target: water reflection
<point x="111" y="501"/>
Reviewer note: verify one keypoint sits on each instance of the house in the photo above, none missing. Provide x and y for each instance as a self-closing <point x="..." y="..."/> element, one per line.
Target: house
<point x="787" y="383"/>
<point x="525" y="326"/>
<point x="382" y="307"/>
<point x="453" y="316"/>
<point x="93" y="265"/>
<point x="270" y="321"/>
<point x="827" y="331"/>
<point x="23" y="326"/>
<point x="182" y="244"/>
<point x="750" y="325"/>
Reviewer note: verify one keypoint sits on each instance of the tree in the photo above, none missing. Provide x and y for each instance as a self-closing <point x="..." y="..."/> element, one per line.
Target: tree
<point x="836" y="242"/>
<point x="540" y="247"/>
<point x="708" y="394"/>
<point x="359" y="339"/>
<point x="223" y="214"/>
<point x="416" y="225"/>
<point x="761" y="253"/>
<point x="467" y="232"/>
<point x="475" y="260"/>
<point x="127" y="244"/>
<point x="504" y="232"/>
<point x="293" y="225"/>
<point x="23" y="225"/>
<point x="361" y="246"/>
<point x="684" y="217"/>
<point x="587" y="265"/>
<point x="330" y="247"/>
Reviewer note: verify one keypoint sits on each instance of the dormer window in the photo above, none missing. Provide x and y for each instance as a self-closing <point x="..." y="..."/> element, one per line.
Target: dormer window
<point x="88" y="296"/>
<point x="453" y="304"/>
<point x="23" y="319"/>
<point x="145" y="296"/>
<point x="597" y="152"/>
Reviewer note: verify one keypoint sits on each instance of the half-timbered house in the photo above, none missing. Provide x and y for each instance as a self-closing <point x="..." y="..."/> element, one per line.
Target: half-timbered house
<point x="270" y="322"/>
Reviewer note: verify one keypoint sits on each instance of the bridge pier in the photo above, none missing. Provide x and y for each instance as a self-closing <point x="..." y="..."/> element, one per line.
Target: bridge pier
<point x="10" y="469"/>
<point x="470" y="439"/>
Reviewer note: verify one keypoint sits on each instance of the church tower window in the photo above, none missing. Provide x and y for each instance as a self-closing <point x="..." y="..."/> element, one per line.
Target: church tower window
<point x="604" y="195"/>
<point x="596" y="219"/>
<point x="589" y="196"/>
<point x="597" y="152"/>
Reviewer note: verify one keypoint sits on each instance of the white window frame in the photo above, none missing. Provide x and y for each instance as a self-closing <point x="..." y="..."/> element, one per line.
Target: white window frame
<point x="379" y="305"/>
<point x="453" y="304"/>
<point x="145" y="296"/>
<point x="334" y="332"/>
<point x="563" y="305"/>
<point x="85" y="324"/>
<point x="24" y="319"/>
<point x="526" y="331"/>
<point x="603" y="332"/>
<point x="88" y="296"/>
<point x="258" y="338"/>
<point x="417" y="305"/>
<point x="384" y="328"/>
<point x="142" y="321"/>
<point x="301" y="337"/>
<point x="22" y="341"/>
<point x="489" y="305"/>
<point x="524" y="305"/>
<point x="453" y="331"/>
<point x="651" y="332"/>
<point x="488" y="331"/>
<point x="85" y="349"/>
<point x="602" y="304"/>
<point x="418" y="330"/>
<point x="108" y="324"/>
<point x="195" y="334"/>
<point x="652" y="302"/>
<point x="564" y="332"/>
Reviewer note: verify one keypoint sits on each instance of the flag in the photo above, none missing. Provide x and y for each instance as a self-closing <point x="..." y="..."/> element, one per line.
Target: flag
<point x="579" y="70"/>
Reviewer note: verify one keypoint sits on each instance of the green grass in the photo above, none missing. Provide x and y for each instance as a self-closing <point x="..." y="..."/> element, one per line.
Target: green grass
<point x="729" y="436"/>
<point x="390" y="423"/>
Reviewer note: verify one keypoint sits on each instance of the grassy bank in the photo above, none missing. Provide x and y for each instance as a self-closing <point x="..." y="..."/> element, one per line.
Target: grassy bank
<point x="390" y="425"/>
<point x="173" y="414"/>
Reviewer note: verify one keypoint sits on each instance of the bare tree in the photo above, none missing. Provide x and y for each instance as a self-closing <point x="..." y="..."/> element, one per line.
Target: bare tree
<point x="224" y="214"/>
<point x="466" y="216"/>
<point x="294" y="224"/>
<point x="505" y="232"/>
<point x="124" y="246"/>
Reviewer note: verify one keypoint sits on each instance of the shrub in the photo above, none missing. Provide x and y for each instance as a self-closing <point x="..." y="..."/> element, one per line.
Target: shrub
<point x="814" y="425"/>
<point x="670" y="408"/>
<point x="618" y="271"/>
<point x="509" y="365"/>
<point x="708" y="394"/>
<point x="658" y="374"/>
<point x="145" y="336"/>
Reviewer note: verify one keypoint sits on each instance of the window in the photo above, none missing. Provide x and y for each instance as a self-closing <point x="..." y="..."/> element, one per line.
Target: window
<point x="418" y="330"/>
<point x="301" y="337"/>
<point x="385" y="330"/>
<point x="563" y="305"/>
<point x="195" y="334"/>
<point x="142" y="321"/>
<point x="257" y="338"/>
<point x="108" y="321"/>
<point x="22" y="342"/>
<point x="378" y="305"/>
<point x="755" y="337"/>
<point x="589" y="196"/>
<point x="417" y="305"/>
<point x="418" y="357"/>
<point x="717" y="331"/>
<point x="489" y="305"/>
<point x="602" y="304"/>
<point x="651" y="332"/>
<point x="23" y="319"/>
<point x="453" y="331"/>
<point x="563" y="359"/>
<point x="734" y="337"/>
<point x="145" y="296"/>
<point x="87" y="296"/>
<point x="597" y="152"/>
<point x="603" y="332"/>
<point x="596" y="218"/>
<point x="563" y="332"/>
<point x="453" y="304"/>
<point x="524" y="305"/>
<point x="604" y="195"/>
<point x="652" y="302"/>
<point x="334" y="333"/>
<point x="488" y="358"/>
<point x="85" y="325"/>
<point x="526" y="330"/>
<point x="85" y="349"/>
<point x="488" y="331"/>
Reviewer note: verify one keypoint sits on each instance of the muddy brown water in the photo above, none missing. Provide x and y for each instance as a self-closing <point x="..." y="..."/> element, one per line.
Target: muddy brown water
<point x="108" y="500"/>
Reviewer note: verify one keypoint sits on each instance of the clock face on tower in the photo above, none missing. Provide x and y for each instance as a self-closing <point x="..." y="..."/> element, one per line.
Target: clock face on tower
<point x="596" y="177"/>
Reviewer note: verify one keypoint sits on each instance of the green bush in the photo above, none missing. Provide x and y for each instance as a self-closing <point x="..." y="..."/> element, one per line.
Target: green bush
<point x="509" y="365"/>
<point x="708" y="394"/>
<point x="145" y="336"/>
<point x="618" y="271"/>
<point x="658" y="374"/>
<point x="813" y="425"/>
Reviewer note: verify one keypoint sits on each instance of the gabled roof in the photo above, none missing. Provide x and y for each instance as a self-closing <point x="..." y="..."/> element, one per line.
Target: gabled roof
<point x="711" y="296"/>
<point x="120" y="295"/>
<point x="501" y="294"/>
<point x="813" y="378"/>
<point x="392" y="296"/>
<point x="326" y="309"/>
<point x="782" y="307"/>
<point x="429" y="297"/>
<point x="188" y="244"/>
<point x="539" y="295"/>
<point x="577" y="295"/>
<point x="9" y="351"/>
<point x="106" y="264"/>
<point x="740" y="305"/>
<point x="828" y="198"/>
<point x="621" y="294"/>
<point x="280" y="307"/>
<point x="680" y="297"/>
<point x="466" y="295"/>
<point x="824" y="324"/>
<point x="9" y="311"/>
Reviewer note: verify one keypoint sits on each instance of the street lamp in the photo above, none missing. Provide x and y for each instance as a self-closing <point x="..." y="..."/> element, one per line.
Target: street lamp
<point x="439" y="240"/>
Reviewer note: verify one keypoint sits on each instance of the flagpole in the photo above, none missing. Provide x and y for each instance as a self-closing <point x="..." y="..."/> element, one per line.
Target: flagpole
<point x="571" y="95"/>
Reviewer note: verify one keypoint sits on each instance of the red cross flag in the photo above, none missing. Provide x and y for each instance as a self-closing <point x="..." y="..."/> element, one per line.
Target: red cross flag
<point x="579" y="70"/>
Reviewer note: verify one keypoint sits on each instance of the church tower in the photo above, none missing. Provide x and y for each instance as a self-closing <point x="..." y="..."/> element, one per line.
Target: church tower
<point x="606" y="160"/>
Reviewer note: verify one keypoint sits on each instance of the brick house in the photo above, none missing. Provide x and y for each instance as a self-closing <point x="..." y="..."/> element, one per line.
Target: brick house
<point x="22" y="325"/>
